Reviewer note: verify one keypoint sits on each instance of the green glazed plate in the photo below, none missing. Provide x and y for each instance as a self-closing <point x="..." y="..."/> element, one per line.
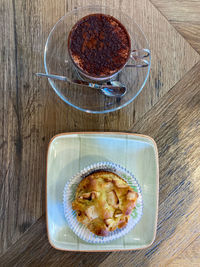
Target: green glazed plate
<point x="69" y="153"/>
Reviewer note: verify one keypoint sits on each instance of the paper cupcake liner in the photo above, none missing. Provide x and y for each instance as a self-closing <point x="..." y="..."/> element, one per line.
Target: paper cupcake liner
<point x="69" y="195"/>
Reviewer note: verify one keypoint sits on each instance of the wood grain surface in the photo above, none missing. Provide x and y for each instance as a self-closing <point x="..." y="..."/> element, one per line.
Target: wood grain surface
<point x="168" y="109"/>
<point x="189" y="257"/>
<point x="184" y="16"/>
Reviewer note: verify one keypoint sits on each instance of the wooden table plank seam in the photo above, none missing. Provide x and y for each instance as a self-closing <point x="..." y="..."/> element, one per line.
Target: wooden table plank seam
<point x="184" y="17"/>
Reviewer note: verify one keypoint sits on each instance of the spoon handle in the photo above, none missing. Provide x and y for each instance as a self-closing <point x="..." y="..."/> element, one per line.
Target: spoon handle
<point x="115" y="89"/>
<point x="51" y="76"/>
<point x="65" y="79"/>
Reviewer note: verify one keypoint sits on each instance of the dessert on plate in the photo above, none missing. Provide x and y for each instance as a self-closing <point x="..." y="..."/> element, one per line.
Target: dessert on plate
<point x="104" y="202"/>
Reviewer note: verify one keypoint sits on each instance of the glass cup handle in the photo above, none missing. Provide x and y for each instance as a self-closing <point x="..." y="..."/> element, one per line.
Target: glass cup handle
<point x="139" y="58"/>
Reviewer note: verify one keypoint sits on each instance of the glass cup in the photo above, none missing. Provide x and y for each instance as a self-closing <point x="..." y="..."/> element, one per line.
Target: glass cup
<point x="133" y="74"/>
<point x="138" y="57"/>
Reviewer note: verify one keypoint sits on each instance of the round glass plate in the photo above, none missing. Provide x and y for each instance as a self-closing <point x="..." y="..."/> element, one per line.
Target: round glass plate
<point x="57" y="61"/>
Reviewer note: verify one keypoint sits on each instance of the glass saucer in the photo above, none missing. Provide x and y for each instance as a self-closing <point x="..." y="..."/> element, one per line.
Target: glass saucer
<point x="57" y="61"/>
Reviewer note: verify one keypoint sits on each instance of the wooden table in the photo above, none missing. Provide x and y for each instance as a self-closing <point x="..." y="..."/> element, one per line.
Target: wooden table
<point x="168" y="109"/>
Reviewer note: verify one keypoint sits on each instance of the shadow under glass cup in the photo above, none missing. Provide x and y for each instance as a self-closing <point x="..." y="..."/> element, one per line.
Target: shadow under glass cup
<point x="133" y="74"/>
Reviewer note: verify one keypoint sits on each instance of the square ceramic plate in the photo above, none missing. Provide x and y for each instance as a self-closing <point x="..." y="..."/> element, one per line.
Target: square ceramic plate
<point x="69" y="153"/>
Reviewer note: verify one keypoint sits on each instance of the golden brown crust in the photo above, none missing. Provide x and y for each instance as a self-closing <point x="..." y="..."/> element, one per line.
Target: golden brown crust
<point x="104" y="202"/>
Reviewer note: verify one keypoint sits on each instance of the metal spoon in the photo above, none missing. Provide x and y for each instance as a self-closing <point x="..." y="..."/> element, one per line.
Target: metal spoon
<point x="112" y="88"/>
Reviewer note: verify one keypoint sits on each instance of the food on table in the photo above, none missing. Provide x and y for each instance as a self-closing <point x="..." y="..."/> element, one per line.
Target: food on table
<point x="99" y="45"/>
<point x="104" y="202"/>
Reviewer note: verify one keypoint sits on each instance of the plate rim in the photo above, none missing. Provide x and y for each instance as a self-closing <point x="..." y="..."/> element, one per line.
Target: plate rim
<point x="157" y="185"/>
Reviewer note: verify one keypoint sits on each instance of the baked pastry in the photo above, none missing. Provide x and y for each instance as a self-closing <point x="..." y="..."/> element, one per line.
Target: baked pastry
<point x="104" y="202"/>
